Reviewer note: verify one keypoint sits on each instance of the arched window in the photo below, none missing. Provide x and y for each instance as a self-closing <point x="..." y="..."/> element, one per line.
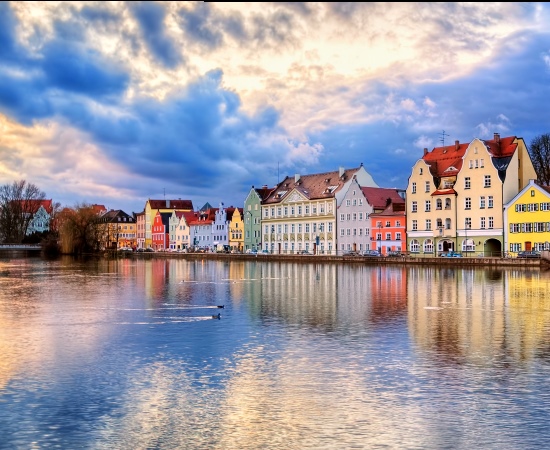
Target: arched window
<point x="447" y="224"/>
<point x="468" y="245"/>
<point x="415" y="246"/>
<point x="447" y="203"/>
<point x="439" y="204"/>
<point x="428" y="246"/>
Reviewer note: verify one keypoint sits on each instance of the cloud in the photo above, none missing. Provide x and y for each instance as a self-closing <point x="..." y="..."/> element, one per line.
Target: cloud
<point x="151" y="19"/>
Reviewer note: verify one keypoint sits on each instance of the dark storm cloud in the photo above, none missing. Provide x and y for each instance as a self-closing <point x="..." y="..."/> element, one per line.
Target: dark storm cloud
<point x="70" y="68"/>
<point x="199" y="25"/>
<point x="98" y="15"/>
<point x="150" y="17"/>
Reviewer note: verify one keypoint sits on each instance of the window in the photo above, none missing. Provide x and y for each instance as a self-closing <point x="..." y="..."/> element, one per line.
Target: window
<point x="438" y="204"/>
<point x="348" y="202"/>
<point x="468" y="223"/>
<point x="490" y="201"/>
<point x="482" y="202"/>
<point x="482" y="223"/>
<point x="467" y="184"/>
<point x="487" y="181"/>
<point x="428" y="205"/>
<point x="515" y="247"/>
<point x="447" y="203"/>
<point x="467" y="203"/>
<point x="388" y="224"/>
<point x="330" y="227"/>
<point x="428" y="224"/>
<point x="299" y="210"/>
<point x="342" y="217"/>
<point x="415" y="225"/>
<point x="420" y="171"/>
<point x="307" y="209"/>
<point x="398" y="236"/>
<point x="427" y="188"/>
<point x="491" y="223"/>
<point x="388" y="236"/>
<point x="397" y="223"/>
<point x="414" y="188"/>
<point x="342" y="232"/>
<point x="428" y="246"/>
<point x="414" y="206"/>
<point x="515" y="228"/>
<point x="415" y="247"/>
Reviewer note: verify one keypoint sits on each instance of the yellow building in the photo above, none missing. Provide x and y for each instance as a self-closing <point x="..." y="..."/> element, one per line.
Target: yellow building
<point x="455" y="195"/>
<point x="527" y="217"/>
<point x="236" y="230"/>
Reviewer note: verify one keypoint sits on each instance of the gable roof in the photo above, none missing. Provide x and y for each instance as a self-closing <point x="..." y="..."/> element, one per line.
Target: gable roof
<point x="378" y="198"/>
<point x="314" y="186"/>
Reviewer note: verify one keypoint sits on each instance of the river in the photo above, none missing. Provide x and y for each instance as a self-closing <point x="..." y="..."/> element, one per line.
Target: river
<point x="130" y="354"/>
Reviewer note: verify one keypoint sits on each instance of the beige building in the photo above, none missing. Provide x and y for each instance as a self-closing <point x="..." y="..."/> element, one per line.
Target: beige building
<point x="456" y="193"/>
<point x="300" y="213"/>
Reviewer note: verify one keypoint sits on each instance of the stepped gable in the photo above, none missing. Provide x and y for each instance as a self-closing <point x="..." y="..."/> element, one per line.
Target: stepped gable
<point x="171" y="204"/>
<point x="379" y="198"/>
<point x="313" y="187"/>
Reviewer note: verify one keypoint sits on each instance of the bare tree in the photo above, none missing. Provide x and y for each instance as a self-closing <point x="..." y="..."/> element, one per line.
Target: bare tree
<point x="540" y="156"/>
<point x="18" y="202"/>
<point x="79" y="229"/>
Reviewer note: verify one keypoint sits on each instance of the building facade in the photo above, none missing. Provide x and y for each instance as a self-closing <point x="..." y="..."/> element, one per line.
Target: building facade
<point x="300" y="213"/>
<point x="527" y="219"/>
<point x="455" y="195"/>
<point x="252" y="217"/>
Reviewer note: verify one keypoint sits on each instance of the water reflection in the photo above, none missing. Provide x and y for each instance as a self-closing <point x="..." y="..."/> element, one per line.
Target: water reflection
<point x="125" y="354"/>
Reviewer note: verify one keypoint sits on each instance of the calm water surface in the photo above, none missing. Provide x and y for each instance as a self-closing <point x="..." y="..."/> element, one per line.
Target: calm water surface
<point x="126" y="354"/>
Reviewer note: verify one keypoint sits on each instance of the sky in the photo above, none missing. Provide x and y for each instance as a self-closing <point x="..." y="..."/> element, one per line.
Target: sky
<point x="116" y="103"/>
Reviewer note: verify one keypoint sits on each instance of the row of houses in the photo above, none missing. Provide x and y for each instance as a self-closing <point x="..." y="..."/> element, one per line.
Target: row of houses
<point x="479" y="197"/>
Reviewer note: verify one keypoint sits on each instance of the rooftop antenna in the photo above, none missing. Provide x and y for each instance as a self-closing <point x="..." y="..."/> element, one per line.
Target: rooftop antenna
<point x="442" y="138"/>
<point x="278" y="180"/>
<point x="164" y="191"/>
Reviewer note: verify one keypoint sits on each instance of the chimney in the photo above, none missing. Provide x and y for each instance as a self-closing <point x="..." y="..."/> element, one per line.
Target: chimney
<point x="167" y="204"/>
<point x="457" y="144"/>
<point x="425" y="151"/>
<point x="296" y="177"/>
<point x="341" y="171"/>
<point x="497" y="138"/>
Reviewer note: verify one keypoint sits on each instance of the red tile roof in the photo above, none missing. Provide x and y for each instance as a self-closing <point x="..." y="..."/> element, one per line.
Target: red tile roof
<point x="315" y="186"/>
<point x="378" y="198"/>
<point x="171" y="204"/>
<point x="447" y="160"/>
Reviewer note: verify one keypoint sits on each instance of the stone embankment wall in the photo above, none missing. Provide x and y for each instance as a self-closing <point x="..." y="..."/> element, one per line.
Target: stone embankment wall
<point x="454" y="262"/>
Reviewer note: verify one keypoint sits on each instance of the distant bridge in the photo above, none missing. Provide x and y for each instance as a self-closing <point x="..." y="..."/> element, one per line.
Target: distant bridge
<point x="28" y="247"/>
